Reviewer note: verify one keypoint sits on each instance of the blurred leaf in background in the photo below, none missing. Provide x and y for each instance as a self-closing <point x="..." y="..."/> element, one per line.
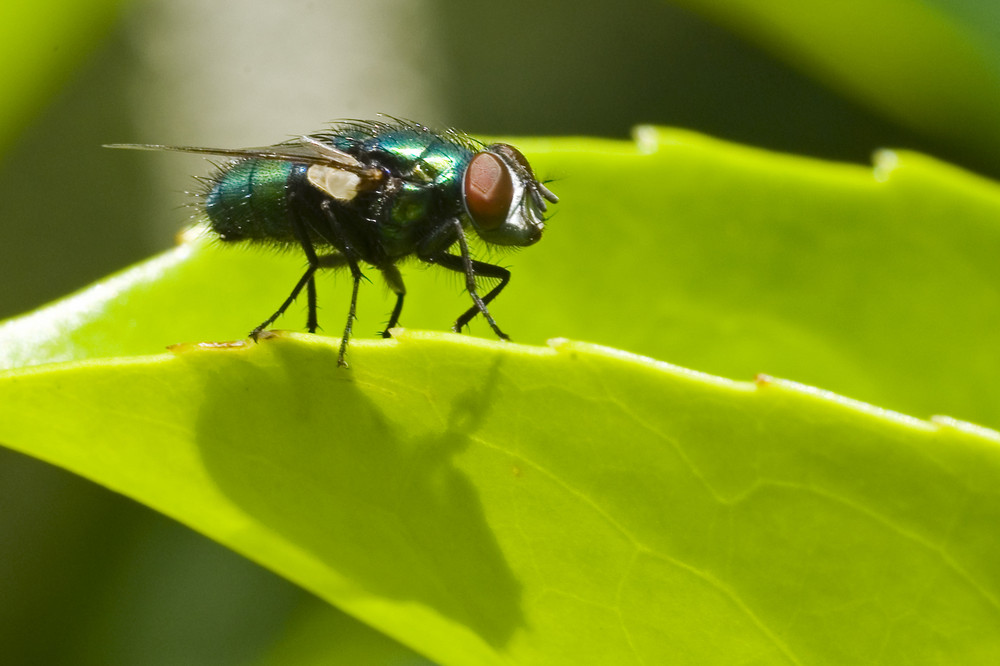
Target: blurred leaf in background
<point x="42" y="45"/>
<point x="931" y="66"/>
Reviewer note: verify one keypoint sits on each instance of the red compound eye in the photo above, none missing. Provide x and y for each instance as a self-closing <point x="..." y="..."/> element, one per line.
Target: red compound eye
<point x="488" y="190"/>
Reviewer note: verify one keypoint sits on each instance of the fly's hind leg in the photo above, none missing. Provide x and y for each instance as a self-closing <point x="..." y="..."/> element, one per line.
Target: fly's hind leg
<point x="307" y="280"/>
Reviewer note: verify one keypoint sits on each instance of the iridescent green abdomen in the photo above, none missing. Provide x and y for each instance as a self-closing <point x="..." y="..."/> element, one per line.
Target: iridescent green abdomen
<point x="249" y="201"/>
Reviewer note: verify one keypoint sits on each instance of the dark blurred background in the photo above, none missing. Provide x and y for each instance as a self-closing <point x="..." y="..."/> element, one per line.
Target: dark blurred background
<point x="87" y="577"/>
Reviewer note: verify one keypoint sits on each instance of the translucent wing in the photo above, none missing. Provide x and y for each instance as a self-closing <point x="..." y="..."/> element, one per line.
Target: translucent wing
<point x="303" y="150"/>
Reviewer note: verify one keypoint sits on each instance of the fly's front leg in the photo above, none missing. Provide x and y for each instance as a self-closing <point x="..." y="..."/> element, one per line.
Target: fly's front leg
<point x="473" y="269"/>
<point x="483" y="269"/>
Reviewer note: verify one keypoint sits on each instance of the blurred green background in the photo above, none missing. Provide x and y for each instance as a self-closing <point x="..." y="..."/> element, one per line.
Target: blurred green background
<point x="87" y="577"/>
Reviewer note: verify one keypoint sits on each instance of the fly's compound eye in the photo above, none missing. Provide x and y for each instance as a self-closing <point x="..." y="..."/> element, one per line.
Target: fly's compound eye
<point x="489" y="190"/>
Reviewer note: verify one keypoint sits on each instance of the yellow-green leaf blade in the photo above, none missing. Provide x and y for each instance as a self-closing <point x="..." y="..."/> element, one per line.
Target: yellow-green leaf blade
<point x="484" y="502"/>
<point x="933" y="66"/>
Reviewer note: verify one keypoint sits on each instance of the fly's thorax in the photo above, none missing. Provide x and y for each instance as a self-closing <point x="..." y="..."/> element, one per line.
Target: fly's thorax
<point x="419" y="157"/>
<point x="248" y="200"/>
<point x="407" y="214"/>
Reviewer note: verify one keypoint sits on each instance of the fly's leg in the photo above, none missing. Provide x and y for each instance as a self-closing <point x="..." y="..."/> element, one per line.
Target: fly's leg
<point x="307" y="279"/>
<point x="351" y="314"/>
<point x="312" y="322"/>
<point x="472" y="269"/>
<point x="480" y="269"/>
<point x="395" y="282"/>
<point x="350" y="257"/>
<point x="483" y="269"/>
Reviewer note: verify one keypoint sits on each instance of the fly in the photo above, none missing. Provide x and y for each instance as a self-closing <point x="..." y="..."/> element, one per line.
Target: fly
<point x="376" y="192"/>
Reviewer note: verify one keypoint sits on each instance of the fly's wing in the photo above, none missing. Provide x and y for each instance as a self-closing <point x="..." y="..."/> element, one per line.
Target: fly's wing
<point x="303" y="150"/>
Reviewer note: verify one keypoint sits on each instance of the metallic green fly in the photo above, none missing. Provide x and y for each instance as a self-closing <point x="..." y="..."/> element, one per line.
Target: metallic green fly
<point x="376" y="192"/>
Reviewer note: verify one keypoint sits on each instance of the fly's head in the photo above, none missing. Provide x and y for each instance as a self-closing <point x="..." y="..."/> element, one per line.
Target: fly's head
<point x="502" y="197"/>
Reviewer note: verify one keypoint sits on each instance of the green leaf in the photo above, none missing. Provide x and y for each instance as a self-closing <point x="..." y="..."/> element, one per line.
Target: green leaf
<point x="495" y="503"/>
<point x="485" y="502"/>
<point x="932" y="65"/>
